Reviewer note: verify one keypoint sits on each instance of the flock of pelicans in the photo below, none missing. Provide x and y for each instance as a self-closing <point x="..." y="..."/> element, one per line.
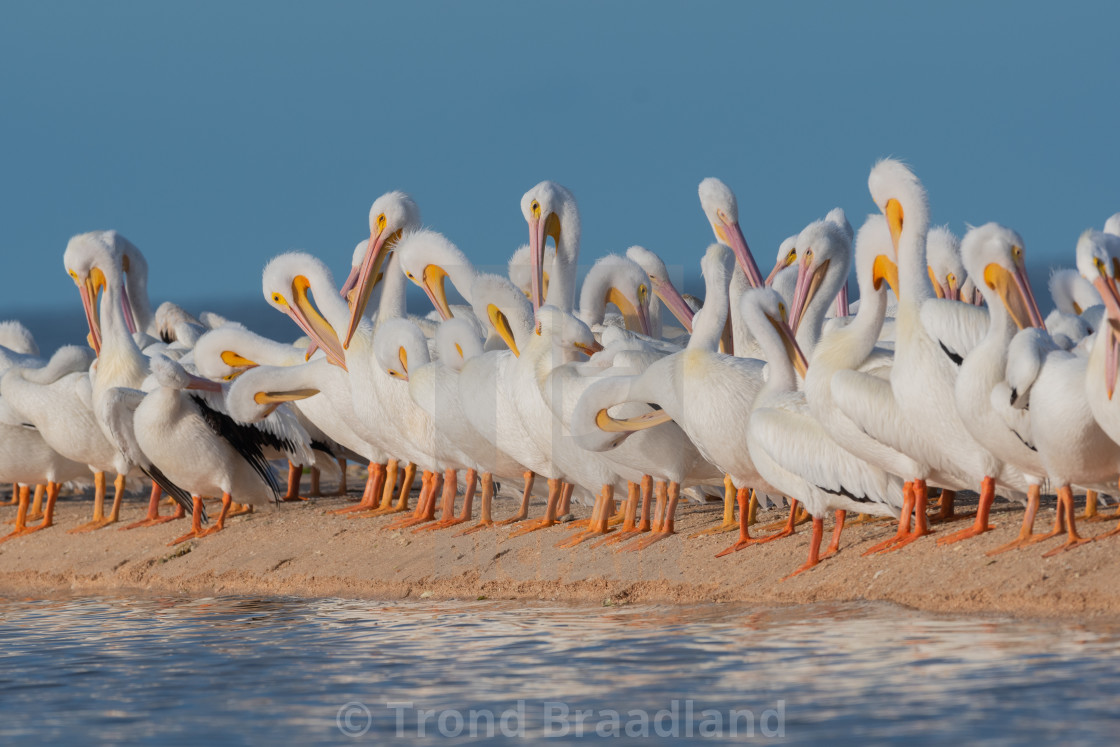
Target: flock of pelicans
<point x="945" y="375"/>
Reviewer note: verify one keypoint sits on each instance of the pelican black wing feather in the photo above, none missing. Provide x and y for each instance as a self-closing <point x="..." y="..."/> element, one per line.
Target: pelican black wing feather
<point x="246" y="440"/>
<point x="182" y="497"/>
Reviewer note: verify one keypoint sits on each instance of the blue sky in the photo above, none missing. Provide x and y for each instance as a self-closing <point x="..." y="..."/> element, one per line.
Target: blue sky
<point x="216" y="135"/>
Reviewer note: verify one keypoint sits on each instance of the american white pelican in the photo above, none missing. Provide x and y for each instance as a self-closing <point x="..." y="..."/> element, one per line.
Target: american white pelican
<point x="708" y="394"/>
<point x="398" y="345"/>
<point x="852" y="347"/>
<point x="923" y="371"/>
<point x="196" y="447"/>
<point x="993" y="255"/>
<point x="95" y="261"/>
<point x="550" y="210"/>
<point x="722" y="210"/>
<point x="792" y="450"/>
<point x="52" y="399"/>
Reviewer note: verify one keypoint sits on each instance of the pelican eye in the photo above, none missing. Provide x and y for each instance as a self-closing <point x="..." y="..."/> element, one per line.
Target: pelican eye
<point x="791" y="256"/>
<point x="279" y="299"/>
<point x="951" y="278"/>
<point x="536" y="209"/>
<point x="809" y="255"/>
<point x="781" y="307"/>
<point x="381" y="222"/>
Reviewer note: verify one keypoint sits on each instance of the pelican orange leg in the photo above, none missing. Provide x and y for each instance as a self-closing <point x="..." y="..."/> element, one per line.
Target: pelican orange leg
<point x="987" y="497"/>
<point x="196" y="524"/>
<point x="1065" y="497"/>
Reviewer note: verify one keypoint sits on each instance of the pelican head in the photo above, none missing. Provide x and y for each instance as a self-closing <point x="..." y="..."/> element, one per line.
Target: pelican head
<point x="946" y="271"/>
<point x="620" y="281"/>
<point x="1071" y="293"/>
<point x="787" y="257"/>
<point x="288" y="282"/>
<point x="458" y="340"/>
<point x="765" y="312"/>
<point x="872" y="249"/>
<point x="722" y="210"/>
<point x="1098" y="260"/>
<point x="398" y="344"/>
<point x="427" y="258"/>
<point x="1112" y="225"/>
<point x="820" y="245"/>
<point x="254" y="396"/>
<point x="496" y="300"/>
<point x="391" y="215"/>
<point x="170" y="373"/>
<point x="550" y="210"/>
<point x="565" y="332"/>
<point x="92" y="260"/>
<point x="662" y="285"/>
<point x="993" y="254"/>
<point x="896" y="191"/>
<point x="222" y="353"/>
<point x="359" y="255"/>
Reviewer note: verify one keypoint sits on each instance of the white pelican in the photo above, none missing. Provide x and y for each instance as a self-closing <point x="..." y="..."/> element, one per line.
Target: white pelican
<point x="399" y="344"/>
<point x="722" y="210"/>
<point x="708" y="394"/>
<point x="25" y="458"/>
<point x="179" y="435"/>
<point x="852" y="347"/>
<point x="993" y="255"/>
<point x="792" y="450"/>
<point x="923" y="372"/>
<point x="52" y="399"/>
<point x="95" y="261"/>
<point x="550" y="210"/>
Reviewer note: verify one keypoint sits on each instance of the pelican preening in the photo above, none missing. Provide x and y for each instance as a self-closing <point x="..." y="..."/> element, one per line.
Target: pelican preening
<point x="945" y="376"/>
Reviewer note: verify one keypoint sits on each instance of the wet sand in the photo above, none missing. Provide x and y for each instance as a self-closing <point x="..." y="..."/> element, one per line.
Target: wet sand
<point x="300" y="549"/>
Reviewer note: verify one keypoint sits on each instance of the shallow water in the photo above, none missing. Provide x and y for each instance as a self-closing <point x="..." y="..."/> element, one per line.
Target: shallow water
<point x="260" y="670"/>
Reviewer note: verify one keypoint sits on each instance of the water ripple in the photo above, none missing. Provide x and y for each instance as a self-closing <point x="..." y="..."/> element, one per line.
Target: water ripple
<point x="249" y="670"/>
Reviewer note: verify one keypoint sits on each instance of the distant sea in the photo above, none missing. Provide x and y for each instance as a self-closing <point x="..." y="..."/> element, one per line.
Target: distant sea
<point x="66" y="325"/>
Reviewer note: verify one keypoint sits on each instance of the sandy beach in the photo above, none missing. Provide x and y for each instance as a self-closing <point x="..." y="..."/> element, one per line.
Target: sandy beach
<point x="300" y="549"/>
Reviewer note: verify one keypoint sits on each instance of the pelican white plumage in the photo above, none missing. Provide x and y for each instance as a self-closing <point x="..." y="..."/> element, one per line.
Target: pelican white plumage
<point x="925" y="365"/>
<point x="196" y="446"/>
<point x="26" y="459"/>
<point x="57" y="399"/>
<point x="225" y="353"/>
<point x="993" y="254"/>
<point x="708" y="394"/>
<point x="550" y="210"/>
<point x="852" y="347"/>
<point x="399" y="345"/>
<point x="95" y="261"/>
<point x="722" y="211"/>
<point x="792" y="450"/>
<point x="946" y="271"/>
